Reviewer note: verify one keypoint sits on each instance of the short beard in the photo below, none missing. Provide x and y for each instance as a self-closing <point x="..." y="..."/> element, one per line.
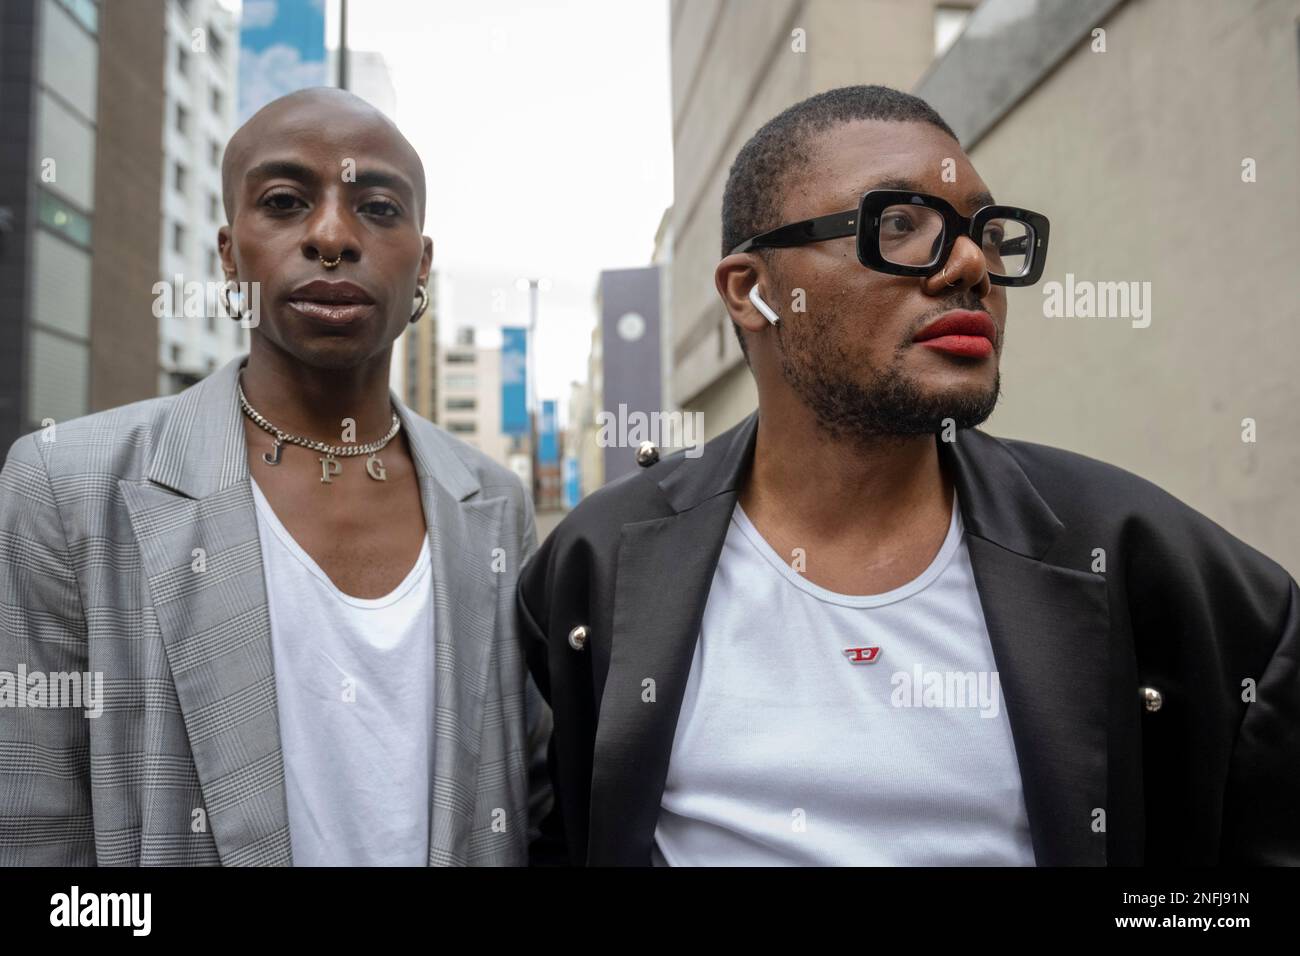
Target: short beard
<point x="890" y="407"/>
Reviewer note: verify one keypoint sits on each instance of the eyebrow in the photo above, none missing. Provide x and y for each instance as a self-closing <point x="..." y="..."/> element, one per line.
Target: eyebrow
<point x="974" y="200"/>
<point x="291" y="169"/>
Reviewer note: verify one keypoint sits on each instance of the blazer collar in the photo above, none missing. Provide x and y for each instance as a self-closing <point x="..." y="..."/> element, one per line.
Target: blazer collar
<point x="998" y="501"/>
<point x="201" y="449"/>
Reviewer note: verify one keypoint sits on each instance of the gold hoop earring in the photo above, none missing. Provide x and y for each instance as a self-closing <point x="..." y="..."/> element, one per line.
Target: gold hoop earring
<point x="423" y="293"/>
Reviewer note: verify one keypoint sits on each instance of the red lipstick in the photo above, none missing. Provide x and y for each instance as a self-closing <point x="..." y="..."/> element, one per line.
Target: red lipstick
<point x="960" y="332"/>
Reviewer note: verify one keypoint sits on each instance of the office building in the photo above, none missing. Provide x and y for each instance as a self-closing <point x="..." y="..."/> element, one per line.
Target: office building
<point x="81" y="168"/>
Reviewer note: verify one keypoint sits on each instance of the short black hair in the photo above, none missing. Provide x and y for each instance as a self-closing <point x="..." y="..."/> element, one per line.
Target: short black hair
<point x="751" y="200"/>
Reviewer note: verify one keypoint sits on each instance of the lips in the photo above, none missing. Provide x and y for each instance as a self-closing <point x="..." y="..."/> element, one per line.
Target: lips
<point x="336" y="303"/>
<point x="960" y="332"/>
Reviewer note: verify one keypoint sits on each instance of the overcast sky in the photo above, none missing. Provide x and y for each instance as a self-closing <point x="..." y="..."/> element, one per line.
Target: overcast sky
<point x="545" y="130"/>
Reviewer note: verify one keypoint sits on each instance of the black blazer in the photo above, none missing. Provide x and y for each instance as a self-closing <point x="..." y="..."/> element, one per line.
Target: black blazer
<point x="1182" y="607"/>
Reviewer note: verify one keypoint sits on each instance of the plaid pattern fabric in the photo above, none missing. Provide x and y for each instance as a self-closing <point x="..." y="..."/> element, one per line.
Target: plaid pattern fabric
<point x="129" y="548"/>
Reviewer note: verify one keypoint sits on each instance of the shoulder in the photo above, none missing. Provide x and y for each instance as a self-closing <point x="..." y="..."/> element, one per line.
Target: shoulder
<point x="636" y="496"/>
<point x="1076" y="486"/>
<point x="645" y="494"/>
<point x="1161" y="538"/>
<point x="1064" y="476"/>
<point x="113" y="443"/>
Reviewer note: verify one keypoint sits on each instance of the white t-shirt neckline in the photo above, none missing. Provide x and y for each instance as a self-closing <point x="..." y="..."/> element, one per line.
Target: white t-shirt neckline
<point x="900" y="593"/>
<point x="387" y="600"/>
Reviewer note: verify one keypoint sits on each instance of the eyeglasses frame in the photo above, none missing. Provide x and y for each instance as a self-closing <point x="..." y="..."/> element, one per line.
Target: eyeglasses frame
<point x="864" y="223"/>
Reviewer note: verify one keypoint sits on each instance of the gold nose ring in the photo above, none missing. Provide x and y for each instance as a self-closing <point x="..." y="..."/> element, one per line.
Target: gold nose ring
<point x="331" y="263"/>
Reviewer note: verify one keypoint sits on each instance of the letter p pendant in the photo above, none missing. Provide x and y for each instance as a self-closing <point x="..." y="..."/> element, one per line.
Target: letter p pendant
<point x="329" y="466"/>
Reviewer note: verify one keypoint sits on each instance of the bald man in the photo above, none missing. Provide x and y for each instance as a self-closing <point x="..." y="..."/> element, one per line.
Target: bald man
<point x="283" y="597"/>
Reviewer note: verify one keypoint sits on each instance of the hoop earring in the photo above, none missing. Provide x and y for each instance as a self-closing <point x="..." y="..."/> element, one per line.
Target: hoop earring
<point x="231" y="312"/>
<point x="423" y="293"/>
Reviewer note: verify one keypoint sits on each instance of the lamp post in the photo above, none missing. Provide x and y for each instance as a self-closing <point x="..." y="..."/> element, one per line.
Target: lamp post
<point x="343" y="44"/>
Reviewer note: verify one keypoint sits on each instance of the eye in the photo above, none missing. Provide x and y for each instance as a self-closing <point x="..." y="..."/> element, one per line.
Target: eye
<point x="381" y="207"/>
<point x="282" y="202"/>
<point x="896" y="223"/>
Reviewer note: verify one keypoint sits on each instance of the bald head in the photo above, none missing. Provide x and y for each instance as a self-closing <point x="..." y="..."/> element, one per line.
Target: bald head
<point x="325" y="120"/>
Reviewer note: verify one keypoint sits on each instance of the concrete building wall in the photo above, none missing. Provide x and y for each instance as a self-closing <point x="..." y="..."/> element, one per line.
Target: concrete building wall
<point x="128" y="168"/>
<point x="1135" y="154"/>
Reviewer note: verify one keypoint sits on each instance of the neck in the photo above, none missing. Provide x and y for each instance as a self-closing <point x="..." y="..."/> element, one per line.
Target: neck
<point x="313" y="402"/>
<point x="839" y="487"/>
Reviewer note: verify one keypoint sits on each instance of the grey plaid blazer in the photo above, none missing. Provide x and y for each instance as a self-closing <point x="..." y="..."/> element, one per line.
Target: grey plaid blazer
<point x="98" y="535"/>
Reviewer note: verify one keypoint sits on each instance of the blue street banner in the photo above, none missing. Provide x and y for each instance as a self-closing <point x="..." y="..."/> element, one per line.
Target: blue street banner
<point x="548" y="450"/>
<point x="572" y="489"/>
<point x="514" y="381"/>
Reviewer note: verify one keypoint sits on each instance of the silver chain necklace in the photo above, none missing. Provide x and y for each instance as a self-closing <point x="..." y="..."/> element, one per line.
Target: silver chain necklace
<point x="330" y="464"/>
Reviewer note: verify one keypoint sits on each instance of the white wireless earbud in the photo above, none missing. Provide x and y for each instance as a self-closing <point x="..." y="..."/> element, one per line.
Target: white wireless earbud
<point x="762" y="306"/>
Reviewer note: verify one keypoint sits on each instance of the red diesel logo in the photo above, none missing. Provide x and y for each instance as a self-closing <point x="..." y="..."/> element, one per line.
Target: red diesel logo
<point x="861" y="655"/>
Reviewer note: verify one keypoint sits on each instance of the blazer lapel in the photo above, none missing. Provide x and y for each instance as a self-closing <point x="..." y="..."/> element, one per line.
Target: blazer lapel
<point x="665" y="570"/>
<point x="195" y="522"/>
<point x="1049" y="628"/>
<point x="463" y="529"/>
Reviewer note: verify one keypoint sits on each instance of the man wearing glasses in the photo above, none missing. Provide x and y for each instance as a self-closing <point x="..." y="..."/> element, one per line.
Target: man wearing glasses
<point x="858" y="630"/>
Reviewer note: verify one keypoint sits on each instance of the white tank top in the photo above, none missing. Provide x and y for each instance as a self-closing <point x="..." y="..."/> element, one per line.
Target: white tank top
<point x="799" y="744"/>
<point x="354" y="681"/>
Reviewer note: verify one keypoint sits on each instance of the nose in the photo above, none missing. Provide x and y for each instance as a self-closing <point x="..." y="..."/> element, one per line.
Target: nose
<point x="966" y="268"/>
<point x="331" y="233"/>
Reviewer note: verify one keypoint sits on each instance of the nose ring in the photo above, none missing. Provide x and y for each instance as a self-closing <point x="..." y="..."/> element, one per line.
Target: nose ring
<point x="943" y="274"/>
<point x="331" y="263"/>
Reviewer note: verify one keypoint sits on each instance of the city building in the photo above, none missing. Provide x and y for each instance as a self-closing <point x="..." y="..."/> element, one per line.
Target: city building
<point x="199" y="86"/>
<point x="469" y="395"/>
<point x="81" y="168"/>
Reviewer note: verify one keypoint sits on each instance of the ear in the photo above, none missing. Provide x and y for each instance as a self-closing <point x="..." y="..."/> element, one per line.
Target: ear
<point x="226" y="249"/>
<point x="734" y="276"/>
<point x="426" y="260"/>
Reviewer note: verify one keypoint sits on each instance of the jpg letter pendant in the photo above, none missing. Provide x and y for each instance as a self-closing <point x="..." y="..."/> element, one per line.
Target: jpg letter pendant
<point x="375" y="468"/>
<point x="329" y="466"/>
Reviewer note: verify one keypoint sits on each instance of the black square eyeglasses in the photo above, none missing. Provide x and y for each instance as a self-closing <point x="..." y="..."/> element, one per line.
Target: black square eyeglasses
<point x="912" y="234"/>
